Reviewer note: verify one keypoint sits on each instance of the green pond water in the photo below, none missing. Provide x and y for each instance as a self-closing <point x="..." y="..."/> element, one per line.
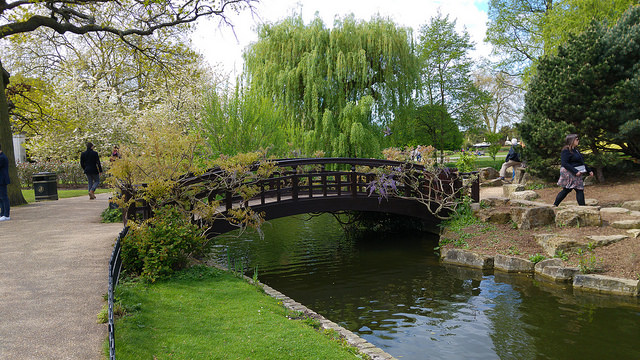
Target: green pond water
<point x="392" y="291"/>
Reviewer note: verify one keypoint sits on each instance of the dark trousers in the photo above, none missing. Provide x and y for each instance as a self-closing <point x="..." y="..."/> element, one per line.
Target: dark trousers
<point x="565" y="191"/>
<point x="4" y="201"/>
<point x="94" y="181"/>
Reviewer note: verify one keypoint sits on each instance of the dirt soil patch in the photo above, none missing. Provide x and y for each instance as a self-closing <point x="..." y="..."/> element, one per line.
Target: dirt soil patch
<point x="621" y="259"/>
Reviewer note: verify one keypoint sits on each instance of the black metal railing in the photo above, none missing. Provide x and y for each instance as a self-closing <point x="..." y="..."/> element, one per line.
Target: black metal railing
<point x="115" y="265"/>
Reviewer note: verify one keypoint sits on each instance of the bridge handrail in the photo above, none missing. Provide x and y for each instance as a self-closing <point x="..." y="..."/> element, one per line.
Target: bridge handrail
<point x="295" y="162"/>
<point x="287" y="182"/>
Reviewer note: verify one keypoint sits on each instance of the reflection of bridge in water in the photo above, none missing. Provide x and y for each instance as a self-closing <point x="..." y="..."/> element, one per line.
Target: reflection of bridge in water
<point x="317" y="185"/>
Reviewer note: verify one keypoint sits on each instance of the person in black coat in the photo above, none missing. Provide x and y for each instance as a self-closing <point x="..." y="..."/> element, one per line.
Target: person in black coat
<point x="90" y="163"/>
<point x="513" y="158"/>
<point x="573" y="171"/>
<point x="4" y="181"/>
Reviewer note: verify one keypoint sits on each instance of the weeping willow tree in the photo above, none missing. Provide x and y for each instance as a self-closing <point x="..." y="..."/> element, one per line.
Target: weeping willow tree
<point x="339" y="87"/>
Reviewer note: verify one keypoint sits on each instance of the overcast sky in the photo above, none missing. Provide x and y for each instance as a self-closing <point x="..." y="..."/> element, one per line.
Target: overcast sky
<point x="219" y="45"/>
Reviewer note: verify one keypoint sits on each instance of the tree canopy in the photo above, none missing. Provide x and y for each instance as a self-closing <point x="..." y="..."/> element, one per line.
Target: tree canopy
<point x="589" y="87"/>
<point x="522" y="31"/>
<point x="338" y="86"/>
<point x="127" y="19"/>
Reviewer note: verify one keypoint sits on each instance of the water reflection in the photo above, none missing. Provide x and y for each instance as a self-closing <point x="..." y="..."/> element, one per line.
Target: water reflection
<point x="393" y="292"/>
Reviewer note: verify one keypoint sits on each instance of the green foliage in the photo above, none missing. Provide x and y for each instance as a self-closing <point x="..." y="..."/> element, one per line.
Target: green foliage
<point x="161" y="245"/>
<point x="337" y="87"/>
<point x="568" y="18"/>
<point x="67" y="172"/>
<point x="446" y="69"/>
<point x="466" y="162"/>
<point x="432" y="125"/>
<point x="494" y="148"/>
<point x="587" y="261"/>
<point x="238" y="121"/>
<point x="589" y="87"/>
<point x="536" y="258"/>
<point x="109" y="215"/>
<point x="456" y="224"/>
<point x="560" y="254"/>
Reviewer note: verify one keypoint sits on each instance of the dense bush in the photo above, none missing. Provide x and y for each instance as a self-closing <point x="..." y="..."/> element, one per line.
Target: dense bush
<point x="161" y="245"/>
<point x="68" y="172"/>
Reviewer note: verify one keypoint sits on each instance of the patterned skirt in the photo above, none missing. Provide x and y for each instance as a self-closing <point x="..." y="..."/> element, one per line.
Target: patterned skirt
<point x="569" y="181"/>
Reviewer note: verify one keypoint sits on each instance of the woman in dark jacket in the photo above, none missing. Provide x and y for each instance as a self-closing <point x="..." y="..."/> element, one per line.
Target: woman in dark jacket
<point x="573" y="171"/>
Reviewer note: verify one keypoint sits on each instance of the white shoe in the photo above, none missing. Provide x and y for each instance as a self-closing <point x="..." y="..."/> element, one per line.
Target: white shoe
<point x="4" y="218"/>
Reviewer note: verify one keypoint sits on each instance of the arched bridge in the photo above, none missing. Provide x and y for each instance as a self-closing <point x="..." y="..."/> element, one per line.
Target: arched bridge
<point x="312" y="185"/>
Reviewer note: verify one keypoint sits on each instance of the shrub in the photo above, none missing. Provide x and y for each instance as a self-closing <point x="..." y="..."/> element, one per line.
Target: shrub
<point x="67" y="172"/>
<point x="111" y="215"/>
<point x="161" y="245"/>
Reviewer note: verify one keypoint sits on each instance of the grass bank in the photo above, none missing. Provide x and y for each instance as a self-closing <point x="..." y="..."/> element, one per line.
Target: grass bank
<point x="206" y="313"/>
<point x="30" y="195"/>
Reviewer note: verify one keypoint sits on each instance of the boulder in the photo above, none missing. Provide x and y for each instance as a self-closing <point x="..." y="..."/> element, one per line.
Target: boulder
<point x="512" y="264"/>
<point x="552" y="243"/>
<point x="587" y="202"/>
<point x="529" y="203"/>
<point x="494" y="215"/>
<point x="529" y="218"/>
<point x="467" y="258"/>
<point x="578" y="216"/>
<point x="634" y="213"/>
<point x="521" y="176"/>
<point x="634" y="233"/>
<point x="488" y="173"/>
<point x="632" y="205"/>
<point x="548" y="262"/>
<point x="507" y="189"/>
<point x="589" y="180"/>
<point x="604" y="240"/>
<point x="559" y="273"/>
<point x="614" y="211"/>
<point x="494" y="201"/>
<point x="524" y="195"/>
<point x="626" y="224"/>
<point x="605" y="284"/>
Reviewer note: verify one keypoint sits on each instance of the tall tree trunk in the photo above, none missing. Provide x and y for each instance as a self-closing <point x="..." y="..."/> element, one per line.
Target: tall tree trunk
<point x="6" y="139"/>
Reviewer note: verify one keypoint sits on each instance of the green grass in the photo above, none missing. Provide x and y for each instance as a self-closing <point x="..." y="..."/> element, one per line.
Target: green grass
<point x="210" y="314"/>
<point x="30" y="195"/>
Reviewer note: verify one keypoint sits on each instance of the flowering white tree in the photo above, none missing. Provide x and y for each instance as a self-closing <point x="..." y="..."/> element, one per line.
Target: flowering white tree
<point x="128" y="20"/>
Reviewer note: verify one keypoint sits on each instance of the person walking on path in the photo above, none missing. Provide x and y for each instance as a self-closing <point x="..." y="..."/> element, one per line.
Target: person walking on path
<point x="4" y="181"/>
<point x="572" y="171"/>
<point x="90" y="163"/>
<point x="512" y="159"/>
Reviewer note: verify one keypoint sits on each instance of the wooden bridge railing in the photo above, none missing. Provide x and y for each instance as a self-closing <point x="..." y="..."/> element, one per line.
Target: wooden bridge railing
<point x="296" y="179"/>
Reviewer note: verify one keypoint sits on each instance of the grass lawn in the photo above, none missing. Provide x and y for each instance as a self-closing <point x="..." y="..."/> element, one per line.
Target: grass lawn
<point x="206" y="313"/>
<point x="30" y="195"/>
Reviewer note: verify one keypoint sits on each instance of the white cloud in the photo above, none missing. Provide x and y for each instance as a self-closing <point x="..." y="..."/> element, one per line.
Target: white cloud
<point x="220" y="45"/>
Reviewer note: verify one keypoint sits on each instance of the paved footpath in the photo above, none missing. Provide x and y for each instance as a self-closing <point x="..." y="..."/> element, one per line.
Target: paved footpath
<point x="54" y="258"/>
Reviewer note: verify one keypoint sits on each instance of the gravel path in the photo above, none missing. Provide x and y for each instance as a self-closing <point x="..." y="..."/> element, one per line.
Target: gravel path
<point x="54" y="259"/>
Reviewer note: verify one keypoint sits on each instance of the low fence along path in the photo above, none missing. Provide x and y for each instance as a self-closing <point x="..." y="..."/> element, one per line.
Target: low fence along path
<point x="54" y="258"/>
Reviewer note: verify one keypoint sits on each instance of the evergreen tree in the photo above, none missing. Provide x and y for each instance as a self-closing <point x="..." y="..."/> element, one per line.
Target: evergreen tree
<point x="589" y="87"/>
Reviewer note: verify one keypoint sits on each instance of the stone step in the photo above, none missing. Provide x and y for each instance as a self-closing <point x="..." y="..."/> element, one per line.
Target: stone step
<point x="626" y="224"/>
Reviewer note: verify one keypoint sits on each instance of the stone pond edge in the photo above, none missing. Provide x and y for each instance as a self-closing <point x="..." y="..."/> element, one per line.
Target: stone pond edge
<point x="550" y="268"/>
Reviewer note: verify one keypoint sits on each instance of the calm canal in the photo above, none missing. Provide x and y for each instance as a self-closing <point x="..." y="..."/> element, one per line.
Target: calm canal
<point x="393" y="292"/>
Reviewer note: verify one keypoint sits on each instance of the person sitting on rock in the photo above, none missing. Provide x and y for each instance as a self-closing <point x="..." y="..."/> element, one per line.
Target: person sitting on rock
<point x="513" y="158"/>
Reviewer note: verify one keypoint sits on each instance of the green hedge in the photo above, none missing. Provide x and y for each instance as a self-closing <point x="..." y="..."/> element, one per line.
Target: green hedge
<point x="68" y="173"/>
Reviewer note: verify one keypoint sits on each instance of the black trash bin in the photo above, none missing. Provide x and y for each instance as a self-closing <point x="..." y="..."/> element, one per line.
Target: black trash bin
<point x="45" y="185"/>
